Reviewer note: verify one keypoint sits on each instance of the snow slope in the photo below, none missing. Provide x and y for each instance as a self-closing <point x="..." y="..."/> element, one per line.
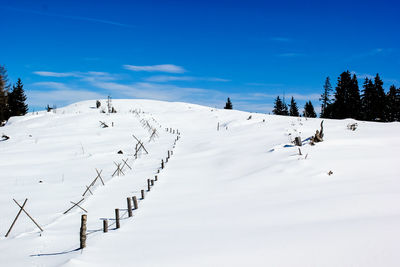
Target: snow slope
<point x="233" y="197"/>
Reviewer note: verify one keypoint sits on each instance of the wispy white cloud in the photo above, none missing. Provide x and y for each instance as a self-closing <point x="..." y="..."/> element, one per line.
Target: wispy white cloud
<point x="166" y="78"/>
<point x="103" y="21"/>
<point x="57" y="93"/>
<point x="290" y="55"/>
<point x="76" y="74"/>
<point x="55" y="74"/>
<point x="372" y="53"/>
<point x="152" y="90"/>
<point x="170" y="68"/>
<point x="372" y="77"/>
<point x="297" y="96"/>
<point x="362" y="75"/>
<point x="51" y="85"/>
<point x="266" y="84"/>
<point x="281" y="39"/>
<point x="304" y="97"/>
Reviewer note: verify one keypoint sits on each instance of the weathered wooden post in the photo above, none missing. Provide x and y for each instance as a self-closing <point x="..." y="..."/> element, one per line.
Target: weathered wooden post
<point x="129" y="202"/>
<point x="162" y="164"/>
<point x="117" y="224"/>
<point x="155" y="178"/>
<point x="135" y="203"/>
<point x="152" y="182"/>
<point x="83" y="231"/>
<point x="105" y="226"/>
<point x="168" y="154"/>
<point x="297" y="141"/>
<point x="142" y="192"/>
<point x="148" y="185"/>
<point x="16" y="218"/>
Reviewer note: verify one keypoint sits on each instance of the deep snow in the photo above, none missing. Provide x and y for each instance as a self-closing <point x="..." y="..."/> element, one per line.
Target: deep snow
<point x="233" y="197"/>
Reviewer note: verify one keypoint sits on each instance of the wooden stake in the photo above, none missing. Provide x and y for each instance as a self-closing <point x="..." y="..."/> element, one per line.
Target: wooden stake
<point x="28" y="215"/>
<point x="83" y="231"/>
<point x="155" y="178"/>
<point x="75" y="204"/>
<point x="99" y="175"/>
<point x="129" y="202"/>
<point x="79" y="206"/>
<point x="117" y="225"/>
<point x="16" y="217"/>
<point x="88" y="188"/>
<point x="148" y="185"/>
<point x="126" y="164"/>
<point x="142" y="192"/>
<point x="162" y="164"/>
<point x="105" y="226"/>
<point x="152" y="182"/>
<point x="135" y="203"/>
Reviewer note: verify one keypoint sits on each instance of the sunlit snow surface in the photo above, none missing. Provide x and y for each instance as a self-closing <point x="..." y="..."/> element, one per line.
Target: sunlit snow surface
<point x="233" y="197"/>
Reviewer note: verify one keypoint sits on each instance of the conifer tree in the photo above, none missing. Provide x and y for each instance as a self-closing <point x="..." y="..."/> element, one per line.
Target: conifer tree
<point x="16" y="100"/>
<point x="340" y="108"/>
<point x="393" y="104"/>
<point x="326" y="99"/>
<point x="285" y="110"/>
<point x="228" y="104"/>
<point x="368" y="100"/>
<point x="354" y="100"/>
<point x="4" y="90"/>
<point x="309" y="111"/>
<point x="293" y="111"/>
<point x="279" y="107"/>
<point x="380" y="100"/>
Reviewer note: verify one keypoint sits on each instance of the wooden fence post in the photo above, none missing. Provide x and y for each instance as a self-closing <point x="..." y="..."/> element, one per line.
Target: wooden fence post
<point x="83" y="231"/>
<point x="129" y="202"/>
<point x="135" y="204"/>
<point x="168" y="154"/>
<point x="105" y="226"/>
<point x="152" y="182"/>
<point x="155" y="178"/>
<point x="142" y="192"/>
<point x="162" y="164"/>
<point x="117" y="225"/>
<point x="148" y="185"/>
<point x="16" y="218"/>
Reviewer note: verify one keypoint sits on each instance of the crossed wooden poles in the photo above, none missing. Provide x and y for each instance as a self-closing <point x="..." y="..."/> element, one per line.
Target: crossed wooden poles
<point x="76" y="204"/>
<point x="154" y="134"/>
<point x="19" y="212"/>
<point x="139" y="146"/>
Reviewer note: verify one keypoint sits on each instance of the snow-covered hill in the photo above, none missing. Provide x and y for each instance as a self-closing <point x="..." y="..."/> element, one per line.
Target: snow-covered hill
<point x="240" y="196"/>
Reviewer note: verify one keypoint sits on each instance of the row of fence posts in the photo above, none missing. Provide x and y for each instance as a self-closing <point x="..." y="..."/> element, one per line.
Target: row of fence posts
<point x="130" y="200"/>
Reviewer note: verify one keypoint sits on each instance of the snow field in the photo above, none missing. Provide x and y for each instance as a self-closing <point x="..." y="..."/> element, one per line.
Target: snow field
<point x="233" y="197"/>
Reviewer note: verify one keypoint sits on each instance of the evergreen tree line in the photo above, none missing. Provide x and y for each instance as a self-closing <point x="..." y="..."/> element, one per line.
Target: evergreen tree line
<point x="12" y="98"/>
<point x="371" y="104"/>
<point x="280" y="108"/>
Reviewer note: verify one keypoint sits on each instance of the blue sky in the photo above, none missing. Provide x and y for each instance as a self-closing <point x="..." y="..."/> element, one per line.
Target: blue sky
<point x="195" y="51"/>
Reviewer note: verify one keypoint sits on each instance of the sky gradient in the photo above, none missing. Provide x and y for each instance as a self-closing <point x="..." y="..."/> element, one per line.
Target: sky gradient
<point x="199" y="52"/>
